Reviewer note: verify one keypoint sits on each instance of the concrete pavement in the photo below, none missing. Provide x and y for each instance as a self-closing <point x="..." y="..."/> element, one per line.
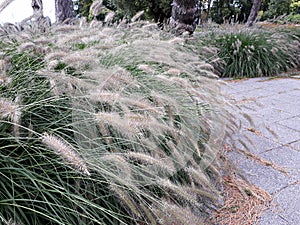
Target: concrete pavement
<point x="271" y="120"/>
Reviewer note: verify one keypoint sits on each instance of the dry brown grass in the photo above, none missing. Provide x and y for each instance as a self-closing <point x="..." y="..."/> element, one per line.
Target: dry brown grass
<point x="244" y="203"/>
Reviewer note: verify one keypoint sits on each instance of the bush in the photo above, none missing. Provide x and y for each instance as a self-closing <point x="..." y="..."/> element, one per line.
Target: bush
<point x="252" y="53"/>
<point x="277" y="8"/>
<point x="159" y="10"/>
<point x="293" y="18"/>
<point x="107" y="126"/>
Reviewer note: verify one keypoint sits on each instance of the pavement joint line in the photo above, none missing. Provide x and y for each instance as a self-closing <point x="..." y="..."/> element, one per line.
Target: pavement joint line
<point x="272" y="149"/>
<point x="293" y="142"/>
<point x="287" y="126"/>
<point x="285" y="187"/>
<point x="278" y="141"/>
<point x="289" y="145"/>
<point x="283" y="218"/>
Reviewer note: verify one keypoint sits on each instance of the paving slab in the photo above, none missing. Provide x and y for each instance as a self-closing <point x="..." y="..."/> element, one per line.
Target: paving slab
<point x="279" y="133"/>
<point x="295" y="145"/>
<point x="291" y="107"/>
<point x="271" y="114"/>
<point x="292" y="123"/>
<point x="265" y="177"/>
<point x="285" y="157"/>
<point x="254" y="142"/>
<point x="286" y="207"/>
<point x="274" y="108"/>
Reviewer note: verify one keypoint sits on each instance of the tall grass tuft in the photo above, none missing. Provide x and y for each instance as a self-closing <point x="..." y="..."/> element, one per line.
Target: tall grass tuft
<point x="136" y="122"/>
<point x="257" y="54"/>
<point x="253" y="52"/>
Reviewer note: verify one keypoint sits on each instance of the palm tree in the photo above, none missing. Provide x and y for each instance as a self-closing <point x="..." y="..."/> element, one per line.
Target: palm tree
<point x="185" y="15"/>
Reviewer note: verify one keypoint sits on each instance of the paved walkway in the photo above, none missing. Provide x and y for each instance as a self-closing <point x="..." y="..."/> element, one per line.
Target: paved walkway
<point x="274" y="107"/>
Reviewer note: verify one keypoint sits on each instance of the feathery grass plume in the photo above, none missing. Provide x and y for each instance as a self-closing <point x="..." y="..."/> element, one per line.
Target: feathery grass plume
<point x="63" y="29"/>
<point x="109" y="17"/>
<point x="17" y="117"/>
<point x="42" y="40"/>
<point x="8" y="109"/>
<point x="161" y="100"/>
<point x="28" y="46"/>
<point x="179" y="157"/>
<point x="144" y="122"/>
<point x="142" y="105"/>
<point x="104" y="96"/>
<point x="78" y="60"/>
<point x="137" y="16"/>
<point x="64" y="149"/>
<point x="55" y="55"/>
<point x="200" y="178"/>
<point x="96" y="7"/>
<point x="168" y="213"/>
<point x="3" y="64"/>
<point x="52" y="65"/>
<point x="144" y="158"/>
<point x="186" y="194"/>
<point x="117" y="167"/>
<point x="119" y="123"/>
<point x="112" y="79"/>
<point x="11" y="222"/>
<point x="132" y="125"/>
<point x="54" y="88"/>
<point x="154" y="148"/>
<point x="146" y="68"/>
<point x="4" y="79"/>
<point x="64" y="82"/>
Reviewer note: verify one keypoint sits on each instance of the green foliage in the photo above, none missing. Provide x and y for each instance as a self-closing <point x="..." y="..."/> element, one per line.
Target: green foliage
<point x="157" y="10"/>
<point x="244" y="9"/>
<point x="295" y="6"/>
<point x="122" y="127"/>
<point x="293" y="18"/>
<point x="264" y="5"/>
<point x="84" y="7"/>
<point x="287" y="19"/>
<point x="227" y="9"/>
<point x="277" y="8"/>
<point x="256" y="53"/>
<point x="221" y="9"/>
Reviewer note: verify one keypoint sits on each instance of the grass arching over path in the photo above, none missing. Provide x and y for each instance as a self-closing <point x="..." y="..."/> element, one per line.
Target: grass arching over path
<point x="107" y="126"/>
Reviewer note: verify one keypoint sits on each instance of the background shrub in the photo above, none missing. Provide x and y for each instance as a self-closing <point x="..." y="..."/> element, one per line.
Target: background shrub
<point x="252" y="53"/>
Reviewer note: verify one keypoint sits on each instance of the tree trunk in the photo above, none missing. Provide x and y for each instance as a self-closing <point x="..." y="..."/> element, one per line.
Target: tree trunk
<point x="208" y="10"/>
<point x="185" y="14"/>
<point x="253" y="13"/>
<point x="37" y="6"/>
<point x="63" y="10"/>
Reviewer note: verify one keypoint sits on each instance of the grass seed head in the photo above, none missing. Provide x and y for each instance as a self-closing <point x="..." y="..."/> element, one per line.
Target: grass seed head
<point x="66" y="151"/>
